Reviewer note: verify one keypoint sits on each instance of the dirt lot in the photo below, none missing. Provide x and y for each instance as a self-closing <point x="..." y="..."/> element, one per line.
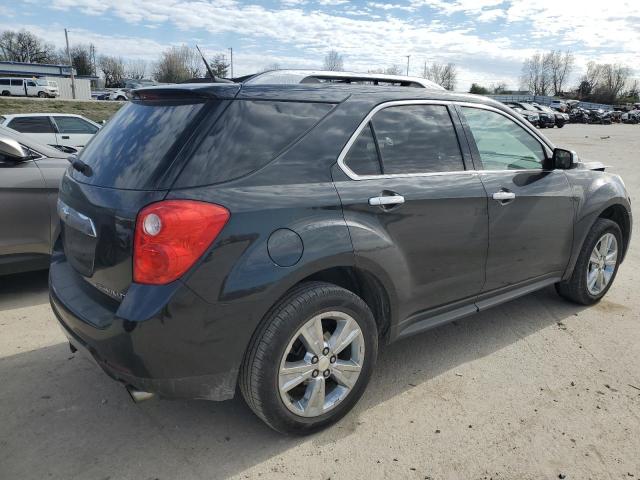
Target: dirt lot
<point x="535" y="389"/>
<point x="93" y="109"/>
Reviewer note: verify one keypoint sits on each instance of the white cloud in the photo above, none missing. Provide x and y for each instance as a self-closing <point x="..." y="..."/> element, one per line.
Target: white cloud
<point x="368" y="40"/>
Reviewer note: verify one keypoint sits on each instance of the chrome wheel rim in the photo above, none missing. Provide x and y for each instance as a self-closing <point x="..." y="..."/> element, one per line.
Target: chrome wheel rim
<point x="602" y="264"/>
<point x="321" y="364"/>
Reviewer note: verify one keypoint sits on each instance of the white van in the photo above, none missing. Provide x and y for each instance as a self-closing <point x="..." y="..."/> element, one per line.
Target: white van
<point x="27" y="87"/>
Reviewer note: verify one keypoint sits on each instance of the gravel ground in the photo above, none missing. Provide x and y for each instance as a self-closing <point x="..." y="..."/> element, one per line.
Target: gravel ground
<point x="535" y="389"/>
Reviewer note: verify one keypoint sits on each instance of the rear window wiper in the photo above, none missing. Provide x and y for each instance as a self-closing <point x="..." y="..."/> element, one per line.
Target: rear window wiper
<point x="79" y="165"/>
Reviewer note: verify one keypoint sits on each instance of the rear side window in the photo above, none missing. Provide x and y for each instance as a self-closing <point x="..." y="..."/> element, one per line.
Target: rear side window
<point x="362" y="158"/>
<point x="4" y="81"/>
<point x="248" y="136"/>
<point x="417" y="139"/>
<point x="16" y="83"/>
<point x="31" y="125"/>
<point x="136" y="147"/>
<point x="74" y="125"/>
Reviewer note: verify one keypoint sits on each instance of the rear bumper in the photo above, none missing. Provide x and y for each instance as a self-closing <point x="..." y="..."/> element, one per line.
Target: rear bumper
<point x="179" y="352"/>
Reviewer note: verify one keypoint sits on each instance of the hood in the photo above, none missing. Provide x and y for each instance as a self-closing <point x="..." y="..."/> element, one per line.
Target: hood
<point x="586" y="165"/>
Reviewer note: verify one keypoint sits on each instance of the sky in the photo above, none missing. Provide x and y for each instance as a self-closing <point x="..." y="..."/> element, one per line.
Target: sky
<point x="486" y="39"/>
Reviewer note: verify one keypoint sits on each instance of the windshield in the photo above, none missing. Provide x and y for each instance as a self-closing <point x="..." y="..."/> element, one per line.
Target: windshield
<point x="42" y="83"/>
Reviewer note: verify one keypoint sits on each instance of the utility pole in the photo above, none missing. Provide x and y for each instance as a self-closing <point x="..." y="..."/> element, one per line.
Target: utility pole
<point x="73" y="81"/>
<point x="408" y="57"/>
<point x="231" y="60"/>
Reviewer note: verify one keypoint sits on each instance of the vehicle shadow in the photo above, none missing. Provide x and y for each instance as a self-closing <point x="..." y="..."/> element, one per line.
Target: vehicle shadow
<point x="60" y="416"/>
<point x="24" y="289"/>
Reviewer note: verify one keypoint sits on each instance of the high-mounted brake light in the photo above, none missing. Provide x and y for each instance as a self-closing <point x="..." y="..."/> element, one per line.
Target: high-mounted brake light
<point x="171" y="235"/>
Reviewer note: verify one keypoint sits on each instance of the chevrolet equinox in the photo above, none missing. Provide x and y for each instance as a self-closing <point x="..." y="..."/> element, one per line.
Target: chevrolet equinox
<point x="271" y="237"/>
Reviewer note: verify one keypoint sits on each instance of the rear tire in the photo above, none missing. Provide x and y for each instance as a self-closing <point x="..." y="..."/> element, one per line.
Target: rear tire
<point x="6" y="93"/>
<point x="578" y="288"/>
<point x="285" y="340"/>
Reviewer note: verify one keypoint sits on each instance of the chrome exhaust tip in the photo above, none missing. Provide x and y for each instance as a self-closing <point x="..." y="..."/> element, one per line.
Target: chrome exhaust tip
<point x="139" y="396"/>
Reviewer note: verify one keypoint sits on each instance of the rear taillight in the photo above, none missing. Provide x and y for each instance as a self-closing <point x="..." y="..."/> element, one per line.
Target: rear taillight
<point x="171" y="235"/>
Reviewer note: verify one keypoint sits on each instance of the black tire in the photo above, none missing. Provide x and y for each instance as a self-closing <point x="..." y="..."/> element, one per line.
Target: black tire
<point x="258" y="379"/>
<point x="560" y="124"/>
<point x="42" y="94"/>
<point x="6" y="93"/>
<point x="575" y="289"/>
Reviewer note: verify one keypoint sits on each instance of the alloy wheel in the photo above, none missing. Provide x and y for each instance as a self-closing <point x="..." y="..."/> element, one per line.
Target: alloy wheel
<point x="321" y="364"/>
<point x="602" y="264"/>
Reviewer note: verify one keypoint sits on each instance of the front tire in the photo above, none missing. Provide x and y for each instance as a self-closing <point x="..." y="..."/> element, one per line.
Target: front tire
<point x="311" y="359"/>
<point x="42" y="94"/>
<point x="597" y="264"/>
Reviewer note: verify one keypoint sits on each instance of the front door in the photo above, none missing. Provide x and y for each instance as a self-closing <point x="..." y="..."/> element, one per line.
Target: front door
<point x="414" y="213"/>
<point x="73" y="131"/>
<point x="531" y="211"/>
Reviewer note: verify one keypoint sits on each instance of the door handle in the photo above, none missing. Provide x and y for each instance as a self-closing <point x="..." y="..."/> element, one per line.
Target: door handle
<point x="504" y="197"/>
<point x="386" y="200"/>
<point x="65" y="137"/>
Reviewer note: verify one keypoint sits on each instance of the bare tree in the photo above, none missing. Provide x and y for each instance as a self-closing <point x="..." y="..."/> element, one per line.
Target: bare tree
<point x="113" y="70"/>
<point x="560" y="66"/>
<point x="603" y="82"/>
<point x="82" y="59"/>
<point x="614" y="78"/>
<point x="220" y="65"/>
<point x="178" y="64"/>
<point x="333" y="61"/>
<point x="537" y="74"/>
<point x="24" y="46"/>
<point x="445" y="75"/>
<point x="136" y="69"/>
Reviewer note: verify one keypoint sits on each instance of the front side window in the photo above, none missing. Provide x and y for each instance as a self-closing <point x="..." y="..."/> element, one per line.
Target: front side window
<point x="74" y="125"/>
<point x="502" y="143"/>
<point x="417" y="139"/>
<point x="31" y="125"/>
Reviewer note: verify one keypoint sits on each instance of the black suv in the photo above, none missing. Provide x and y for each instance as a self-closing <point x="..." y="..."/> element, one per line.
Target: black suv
<point x="271" y="237"/>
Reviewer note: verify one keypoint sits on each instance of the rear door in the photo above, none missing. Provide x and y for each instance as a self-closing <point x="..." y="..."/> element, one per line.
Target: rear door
<point x="73" y="131"/>
<point x="38" y="128"/>
<point x="415" y="213"/>
<point x="531" y="212"/>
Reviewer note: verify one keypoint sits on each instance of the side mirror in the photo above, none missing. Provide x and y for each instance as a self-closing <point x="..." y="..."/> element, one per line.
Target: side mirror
<point x="12" y="149"/>
<point x="563" y="159"/>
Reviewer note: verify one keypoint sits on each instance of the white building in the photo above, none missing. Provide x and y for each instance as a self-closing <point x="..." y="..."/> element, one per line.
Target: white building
<point x="61" y="74"/>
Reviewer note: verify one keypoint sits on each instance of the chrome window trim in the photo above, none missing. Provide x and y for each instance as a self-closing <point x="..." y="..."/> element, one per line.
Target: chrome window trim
<point x="446" y="103"/>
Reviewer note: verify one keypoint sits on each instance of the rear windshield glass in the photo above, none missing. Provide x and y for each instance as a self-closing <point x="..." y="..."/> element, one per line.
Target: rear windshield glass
<point x="136" y="147"/>
<point x="248" y="136"/>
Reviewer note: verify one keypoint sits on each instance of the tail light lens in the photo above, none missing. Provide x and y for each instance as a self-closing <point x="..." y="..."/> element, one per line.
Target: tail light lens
<point x="171" y="235"/>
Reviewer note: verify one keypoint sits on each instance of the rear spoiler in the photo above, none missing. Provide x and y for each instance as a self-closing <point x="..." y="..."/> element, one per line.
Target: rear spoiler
<point x="185" y="91"/>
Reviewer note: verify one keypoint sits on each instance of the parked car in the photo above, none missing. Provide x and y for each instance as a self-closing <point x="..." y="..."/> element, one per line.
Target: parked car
<point x="559" y="118"/>
<point x="27" y="87"/>
<point x="289" y="77"/>
<point x="599" y="116"/>
<point x="271" y="237"/>
<point x="632" y="117"/>
<point x="120" y="94"/>
<point x="59" y="130"/>
<point x="579" y="115"/>
<point x="30" y="174"/>
<point x="546" y="119"/>
<point x="532" y="117"/>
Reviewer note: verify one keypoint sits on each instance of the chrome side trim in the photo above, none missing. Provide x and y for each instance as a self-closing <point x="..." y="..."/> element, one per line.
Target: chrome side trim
<point x="354" y="176"/>
<point x="76" y="220"/>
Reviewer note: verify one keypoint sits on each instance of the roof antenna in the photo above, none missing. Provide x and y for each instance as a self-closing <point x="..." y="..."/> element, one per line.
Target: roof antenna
<point x="213" y="77"/>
